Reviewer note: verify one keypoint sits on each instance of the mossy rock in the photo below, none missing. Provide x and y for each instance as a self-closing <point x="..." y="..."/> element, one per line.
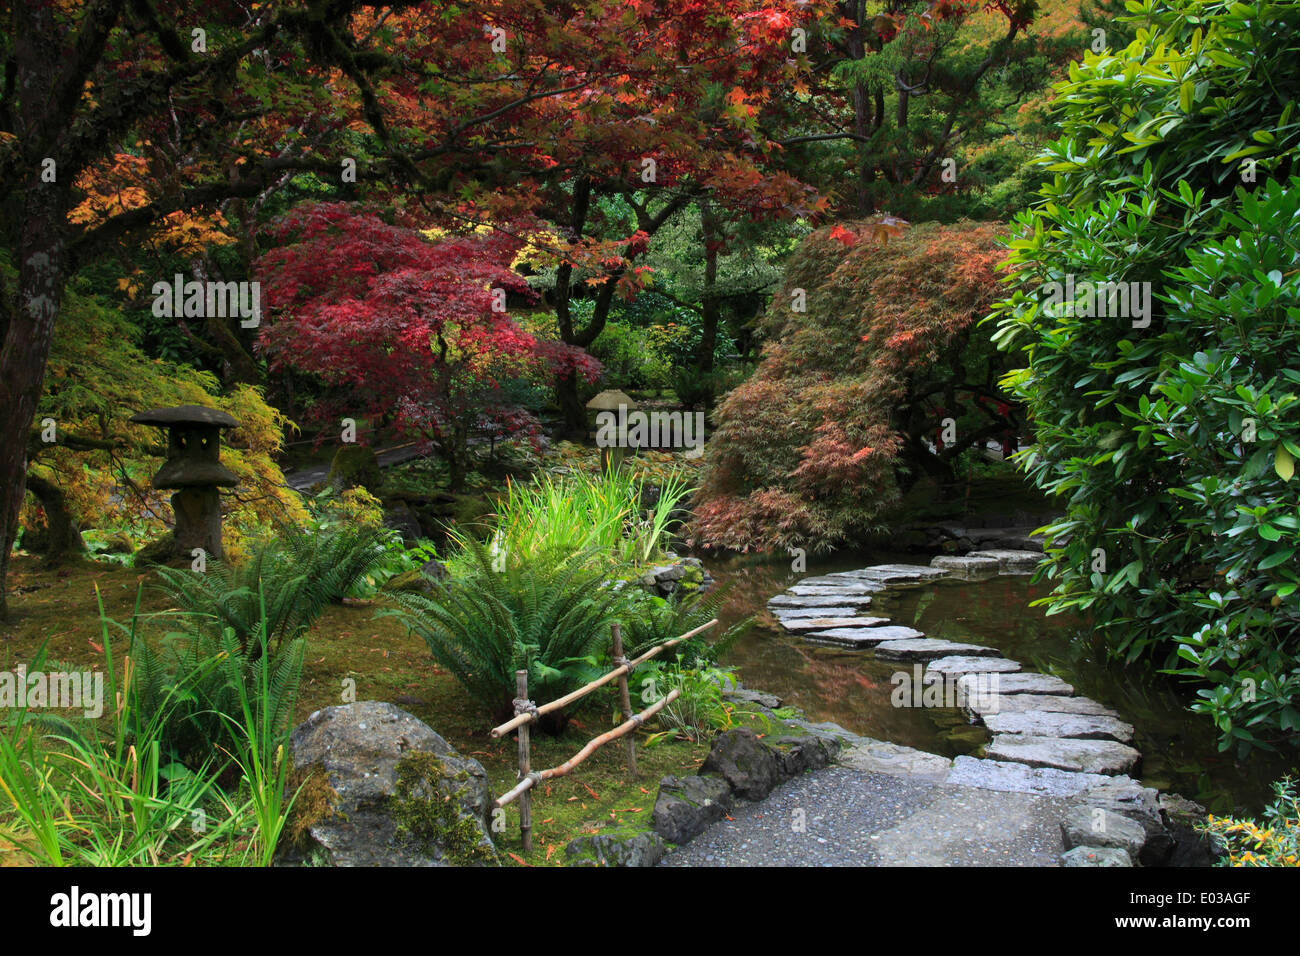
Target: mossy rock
<point x="617" y="847"/>
<point x="161" y="550"/>
<point x="405" y="796"/>
<point x="354" y="465"/>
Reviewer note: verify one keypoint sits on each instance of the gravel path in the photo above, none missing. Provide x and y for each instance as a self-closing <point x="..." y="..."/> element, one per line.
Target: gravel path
<point x="856" y="818"/>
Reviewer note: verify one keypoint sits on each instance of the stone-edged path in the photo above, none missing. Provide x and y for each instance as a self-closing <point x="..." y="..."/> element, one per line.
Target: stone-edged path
<point x="1054" y="776"/>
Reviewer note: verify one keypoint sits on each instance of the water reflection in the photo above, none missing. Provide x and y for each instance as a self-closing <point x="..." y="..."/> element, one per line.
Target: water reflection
<point x="1180" y="749"/>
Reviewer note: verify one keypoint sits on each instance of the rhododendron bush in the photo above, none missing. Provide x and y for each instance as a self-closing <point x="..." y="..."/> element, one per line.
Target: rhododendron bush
<point x="847" y="407"/>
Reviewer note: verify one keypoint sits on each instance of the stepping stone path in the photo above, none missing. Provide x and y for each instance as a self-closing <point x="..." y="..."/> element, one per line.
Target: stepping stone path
<point x="1045" y="739"/>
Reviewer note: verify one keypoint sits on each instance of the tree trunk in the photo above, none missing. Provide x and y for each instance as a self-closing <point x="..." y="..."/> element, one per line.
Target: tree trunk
<point x="41" y="268"/>
<point x="64" y="535"/>
<point x="710" y="308"/>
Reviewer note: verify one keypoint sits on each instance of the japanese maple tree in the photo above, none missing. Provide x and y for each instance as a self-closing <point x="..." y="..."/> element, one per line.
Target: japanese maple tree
<point x="404" y="324"/>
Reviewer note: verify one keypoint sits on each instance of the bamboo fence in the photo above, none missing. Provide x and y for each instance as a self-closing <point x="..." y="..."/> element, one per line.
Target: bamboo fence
<point x="527" y="713"/>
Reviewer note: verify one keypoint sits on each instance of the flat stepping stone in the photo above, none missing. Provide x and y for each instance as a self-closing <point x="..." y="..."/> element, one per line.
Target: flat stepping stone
<point x="879" y="756"/>
<point x="831" y="590"/>
<point x="855" y="636"/>
<point x="802" y="600"/>
<point x="968" y="664"/>
<point x="1019" y="703"/>
<point x="1045" y="723"/>
<point x="929" y="648"/>
<point x="1020" y="778"/>
<point x="1012" y="562"/>
<point x="1061" y="753"/>
<point x="967" y="566"/>
<point x="893" y="573"/>
<point x="838" y="581"/>
<point x="1031" y="683"/>
<point x="825" y="623"/>
<point x="792" y="613"/>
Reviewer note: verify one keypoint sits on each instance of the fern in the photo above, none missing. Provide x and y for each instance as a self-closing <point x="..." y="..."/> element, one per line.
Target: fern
<point x="651" y="620"/>
<point x="544" y="615"/>
<point x="298" y="576"/>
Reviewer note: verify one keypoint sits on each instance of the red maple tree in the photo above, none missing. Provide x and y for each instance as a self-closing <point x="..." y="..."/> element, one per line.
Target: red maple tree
<point x="403" y="325"/>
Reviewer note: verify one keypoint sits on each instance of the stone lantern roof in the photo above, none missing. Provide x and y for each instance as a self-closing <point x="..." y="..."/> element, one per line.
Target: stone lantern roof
<point x="610" y="400"/>
<point x="197" y="415"/>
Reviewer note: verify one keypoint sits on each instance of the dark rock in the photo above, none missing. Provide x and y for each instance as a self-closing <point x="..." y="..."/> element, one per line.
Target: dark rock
<point x="801" y="754"/>
<point x="404" y="796"/>
<point x="402" y="519"/>
<point x="686" y="807"/>
<point x="1097" y="827"/>
<point x="641" y="848"/>
<point x="354" y="465"/>
<point x="748" y="765"/>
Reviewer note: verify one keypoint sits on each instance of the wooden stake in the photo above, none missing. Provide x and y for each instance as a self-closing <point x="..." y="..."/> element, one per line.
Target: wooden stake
<point x="625" y="702"/>
<point x="525" y="766"/>
<point x="521" y="789"/>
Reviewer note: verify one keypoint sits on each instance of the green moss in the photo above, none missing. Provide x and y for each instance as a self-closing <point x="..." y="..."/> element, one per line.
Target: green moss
<point x="429" y="817"/>
<point x="354" y="465"/>
<point x="316" y="801"/>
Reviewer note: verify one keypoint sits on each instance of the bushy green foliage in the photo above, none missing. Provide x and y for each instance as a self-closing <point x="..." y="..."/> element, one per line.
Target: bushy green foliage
<point x="649" y="620"/>
<point x="544" y="612"/>
<point x="599" y="517"/>
<point x="815" y="449"/>
<point x="1275" y="842"/>
<point x="79" y="795"/>
<point x="298" y="575"/>
<point x="1171" y="445"/>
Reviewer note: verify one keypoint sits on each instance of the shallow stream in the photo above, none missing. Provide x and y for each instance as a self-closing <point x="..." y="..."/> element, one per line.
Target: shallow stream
<point x="1179" y="749"/>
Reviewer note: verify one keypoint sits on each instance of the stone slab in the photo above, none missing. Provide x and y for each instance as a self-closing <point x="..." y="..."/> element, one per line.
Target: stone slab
<point x="1012" y="562"/>
<point x="967" y="567"/>
<point x="853" y="636"/>
<point x="929" y="648"/>
<point x="969" y="664"/>
<point x="1021" y="778"/>
<point x="1019" y="703"/>
<point x="1064" y="753"/>
<point x="1045" y="723"/>
<point x="783" y="601"/>
<point x="823" y="623"/>
<point x="1033" y="683"/>
<point x="791" y="613"/>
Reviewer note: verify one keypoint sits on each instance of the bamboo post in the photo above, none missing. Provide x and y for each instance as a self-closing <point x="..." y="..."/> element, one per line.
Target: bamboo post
<point x="525" y="767"/>
<point x="625" y="702"/>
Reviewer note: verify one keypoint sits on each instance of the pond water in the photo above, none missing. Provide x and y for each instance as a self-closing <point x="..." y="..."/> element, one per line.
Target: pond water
<point x="1179" y="749"/>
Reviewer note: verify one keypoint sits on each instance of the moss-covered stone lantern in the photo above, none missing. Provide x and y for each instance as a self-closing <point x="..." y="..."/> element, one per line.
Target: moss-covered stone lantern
<point x="607" y="417"/>
<point x="193" y="466"/>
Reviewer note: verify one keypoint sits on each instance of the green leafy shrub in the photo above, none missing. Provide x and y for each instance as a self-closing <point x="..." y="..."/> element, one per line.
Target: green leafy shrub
<point x="1276" y="842"/>
<point x="541" y="612"/>
<point x="80" y="796"/>
<point x="649" y="620"/>
<point x="1168" y="434"/>
<point x="702" y="709"/>
<point x="598" y="517"/>
<point x="298" y="575"/>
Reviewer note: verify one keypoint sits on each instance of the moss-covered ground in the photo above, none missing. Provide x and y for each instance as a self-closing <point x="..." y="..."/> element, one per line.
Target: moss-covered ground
<point x="350" y="644"/>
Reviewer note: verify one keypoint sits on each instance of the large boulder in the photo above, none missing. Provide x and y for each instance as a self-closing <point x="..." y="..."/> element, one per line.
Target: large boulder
<point x="400" y="795"/>
<point x="354" y="465"/>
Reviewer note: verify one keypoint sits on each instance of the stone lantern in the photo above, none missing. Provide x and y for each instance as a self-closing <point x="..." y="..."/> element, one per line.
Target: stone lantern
<point x="619" y="405"/>
<point x="193" y="466"/>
